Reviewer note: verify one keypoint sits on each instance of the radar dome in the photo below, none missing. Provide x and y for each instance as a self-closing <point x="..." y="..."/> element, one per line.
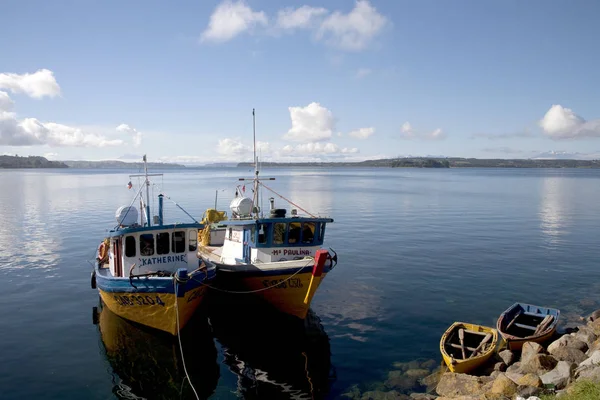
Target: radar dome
<point x="241" y="206"/>
<point x="127" y="216"/>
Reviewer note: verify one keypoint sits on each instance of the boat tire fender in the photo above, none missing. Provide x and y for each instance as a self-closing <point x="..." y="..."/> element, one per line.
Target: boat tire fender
<point x="93" y="280"/>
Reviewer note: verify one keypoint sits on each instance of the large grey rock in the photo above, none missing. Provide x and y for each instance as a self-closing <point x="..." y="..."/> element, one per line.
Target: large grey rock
<point x="530" y="349"/>
<point x="528" y="391"/>
<point x="500" y="366"/>
<point x="400" y="381"/>
<point x="567" y="341"/>
<point x="530" y="380"/>
<point x="569" y="354"/>
<point x="538" y="364"/>
<point x="585" y="334"/>
<point x="516" y="367"/>
<point x="590" y="373"/>
<point x="560" y="376"/>
<point x="504" y="386"/>
<point x="507" y="356"/>
<point x="454" y="385"/>
<point x="594" y="359"/>
<point x="431" y="381"/>
<point x="514" y="376"/>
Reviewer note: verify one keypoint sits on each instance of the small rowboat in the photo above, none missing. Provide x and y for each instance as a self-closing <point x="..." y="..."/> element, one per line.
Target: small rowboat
<point x="527" y="323"/>
<point x="466" y="346"/>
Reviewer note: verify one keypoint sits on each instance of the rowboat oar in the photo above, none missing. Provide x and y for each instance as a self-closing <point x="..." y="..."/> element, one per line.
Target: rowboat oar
<point x="513" y="320"/>
<point x="543" y="325"/>
<point x="461" y="336"/>
<point x="483" y="342"/>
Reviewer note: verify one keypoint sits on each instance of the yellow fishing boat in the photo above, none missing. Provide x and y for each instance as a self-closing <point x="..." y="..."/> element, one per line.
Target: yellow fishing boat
<point x="466" y="346"/>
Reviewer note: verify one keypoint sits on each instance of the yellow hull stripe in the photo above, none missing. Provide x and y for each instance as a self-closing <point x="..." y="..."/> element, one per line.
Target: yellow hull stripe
<point x="156" y="310"/>
<point x="286" y="295"/>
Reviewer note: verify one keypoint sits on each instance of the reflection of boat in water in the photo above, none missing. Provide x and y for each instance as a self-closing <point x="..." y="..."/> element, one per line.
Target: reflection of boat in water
<point x="274" y="356"/>
<point x="146" y="364"/>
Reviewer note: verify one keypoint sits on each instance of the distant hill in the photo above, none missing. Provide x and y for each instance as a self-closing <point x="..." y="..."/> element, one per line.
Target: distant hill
<point x="29" y="162"/>
<point x="119" y="164"/>
<point x="450" y="162"/>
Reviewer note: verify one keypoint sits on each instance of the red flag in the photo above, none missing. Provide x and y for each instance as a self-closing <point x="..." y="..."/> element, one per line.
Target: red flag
<point x="129" y="185"/>
<point x="244" y="189"/>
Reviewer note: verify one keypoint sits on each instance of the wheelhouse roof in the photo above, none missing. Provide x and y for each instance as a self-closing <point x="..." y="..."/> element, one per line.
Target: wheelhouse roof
<point x="242" y="222"/>
<point x="137" y="229"/>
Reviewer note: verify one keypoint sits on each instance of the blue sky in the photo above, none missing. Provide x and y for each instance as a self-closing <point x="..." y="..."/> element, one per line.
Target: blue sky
<point x="335" y="80"/>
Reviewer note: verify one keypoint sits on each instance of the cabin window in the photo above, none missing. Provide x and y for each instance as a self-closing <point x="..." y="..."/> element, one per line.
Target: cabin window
<point x="308" y="232"/>
<point x="178" y="244"/>
<point x="278" y="233"/>
<point x="129" y="246"/>
<point x="262" y="233"/>
<point x="321" y="231"/>
<point x="147" y="244"/>
<point x="193" y="240"/>
<point x="294" y="232"/>
<point x="162" y="243"/>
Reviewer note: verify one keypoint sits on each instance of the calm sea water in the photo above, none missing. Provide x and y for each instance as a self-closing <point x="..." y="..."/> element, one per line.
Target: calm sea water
<point x="418" y="250"/>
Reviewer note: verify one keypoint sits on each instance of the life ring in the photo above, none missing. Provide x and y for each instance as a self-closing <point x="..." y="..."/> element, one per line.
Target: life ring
<point x="103" y="251"/>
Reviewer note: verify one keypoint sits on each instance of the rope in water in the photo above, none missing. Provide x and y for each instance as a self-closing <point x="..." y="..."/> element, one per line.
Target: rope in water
<point x="179" y="340"/>
<point x="256" y="290"/>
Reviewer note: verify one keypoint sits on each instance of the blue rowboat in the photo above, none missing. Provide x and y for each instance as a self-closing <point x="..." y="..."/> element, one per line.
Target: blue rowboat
<point x="522" y="323"/>
<point x="150" y="273"/>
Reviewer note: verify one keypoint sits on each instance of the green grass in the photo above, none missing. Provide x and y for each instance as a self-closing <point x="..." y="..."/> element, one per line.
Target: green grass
<point x="582" y="390"/>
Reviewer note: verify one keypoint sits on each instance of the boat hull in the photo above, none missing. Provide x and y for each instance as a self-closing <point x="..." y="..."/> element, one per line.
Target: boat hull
<point x="153" y="301"/>
<point x="515" y="342"/>
<point x="284" y="289"/>
<point x="470" y="364"/>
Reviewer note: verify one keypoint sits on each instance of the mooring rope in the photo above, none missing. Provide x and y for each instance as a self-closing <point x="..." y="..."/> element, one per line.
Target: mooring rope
<point x="179" y="340"/>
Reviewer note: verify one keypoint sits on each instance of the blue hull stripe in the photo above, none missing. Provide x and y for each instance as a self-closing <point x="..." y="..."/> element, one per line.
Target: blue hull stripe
<point x="108" y="283"/>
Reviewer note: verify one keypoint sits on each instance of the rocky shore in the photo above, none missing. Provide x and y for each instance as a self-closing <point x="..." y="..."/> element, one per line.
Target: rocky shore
<point x="538" y="370"/>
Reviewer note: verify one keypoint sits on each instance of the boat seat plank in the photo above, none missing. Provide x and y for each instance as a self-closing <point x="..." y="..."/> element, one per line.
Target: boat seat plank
<point x="533" y="328"/>
<point x="475" y="332"/>
<point x="456" y="346"/>
<point x="531" y="314"/>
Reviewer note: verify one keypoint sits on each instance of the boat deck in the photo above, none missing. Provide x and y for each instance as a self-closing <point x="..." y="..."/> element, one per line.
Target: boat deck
<point x="213" y="253"/>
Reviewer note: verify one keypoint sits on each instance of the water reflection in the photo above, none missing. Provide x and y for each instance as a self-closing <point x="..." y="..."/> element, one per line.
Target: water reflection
<point x="273" y="356"/>
<point x="317" y="200"/>
<point x="553" y="211"/>
<point x="146" y="364"/>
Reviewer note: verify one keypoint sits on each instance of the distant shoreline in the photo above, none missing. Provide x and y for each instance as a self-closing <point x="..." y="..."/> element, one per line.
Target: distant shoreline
<point x="431" y="162"/>
<point x="16" y="162"/>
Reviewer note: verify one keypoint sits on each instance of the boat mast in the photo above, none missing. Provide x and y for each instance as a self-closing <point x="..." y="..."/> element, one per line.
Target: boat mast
<point x="147" y="181"/>
<point x="255" y="195"/>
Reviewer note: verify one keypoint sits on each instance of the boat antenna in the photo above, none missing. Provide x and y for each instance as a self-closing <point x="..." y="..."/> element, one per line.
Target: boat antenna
<point x="147" y="181"/>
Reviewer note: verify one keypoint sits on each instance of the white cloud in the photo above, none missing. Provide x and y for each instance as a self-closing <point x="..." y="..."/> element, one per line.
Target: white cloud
<point x="407" y="132"/>
<point x="231" y="147"/>
<point x="362" y="133"/>
<point x="31" y="132"/>
<point x="362" y="72"/>
<point x="562" y="123"/>
<point x="312" y="123"/>
<point x="50" y="156"/>
<point x="299" y="18"/>
<point x="37" y="85"/>
<point x="318" y="148"/>
<point x="136" y="136"/>
<point x="231" y="19"/>
<point x="353" y="31"/>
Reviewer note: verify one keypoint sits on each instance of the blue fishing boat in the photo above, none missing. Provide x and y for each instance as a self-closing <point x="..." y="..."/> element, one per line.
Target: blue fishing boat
<point x="277" y="257"/>
<point x="148" y="272"/>
<point x="522" y="323"/>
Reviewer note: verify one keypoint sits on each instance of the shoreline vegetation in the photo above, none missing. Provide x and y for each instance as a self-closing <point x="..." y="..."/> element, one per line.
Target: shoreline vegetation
<point x="409" y="162"/>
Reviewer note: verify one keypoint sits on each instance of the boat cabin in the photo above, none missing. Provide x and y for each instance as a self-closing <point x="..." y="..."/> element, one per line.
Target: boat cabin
<point x="271" y="239"/>
<point x="143" y="250"/>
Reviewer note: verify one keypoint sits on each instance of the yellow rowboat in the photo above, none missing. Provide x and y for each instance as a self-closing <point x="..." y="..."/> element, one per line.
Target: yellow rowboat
<point x="466" y="346"/>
